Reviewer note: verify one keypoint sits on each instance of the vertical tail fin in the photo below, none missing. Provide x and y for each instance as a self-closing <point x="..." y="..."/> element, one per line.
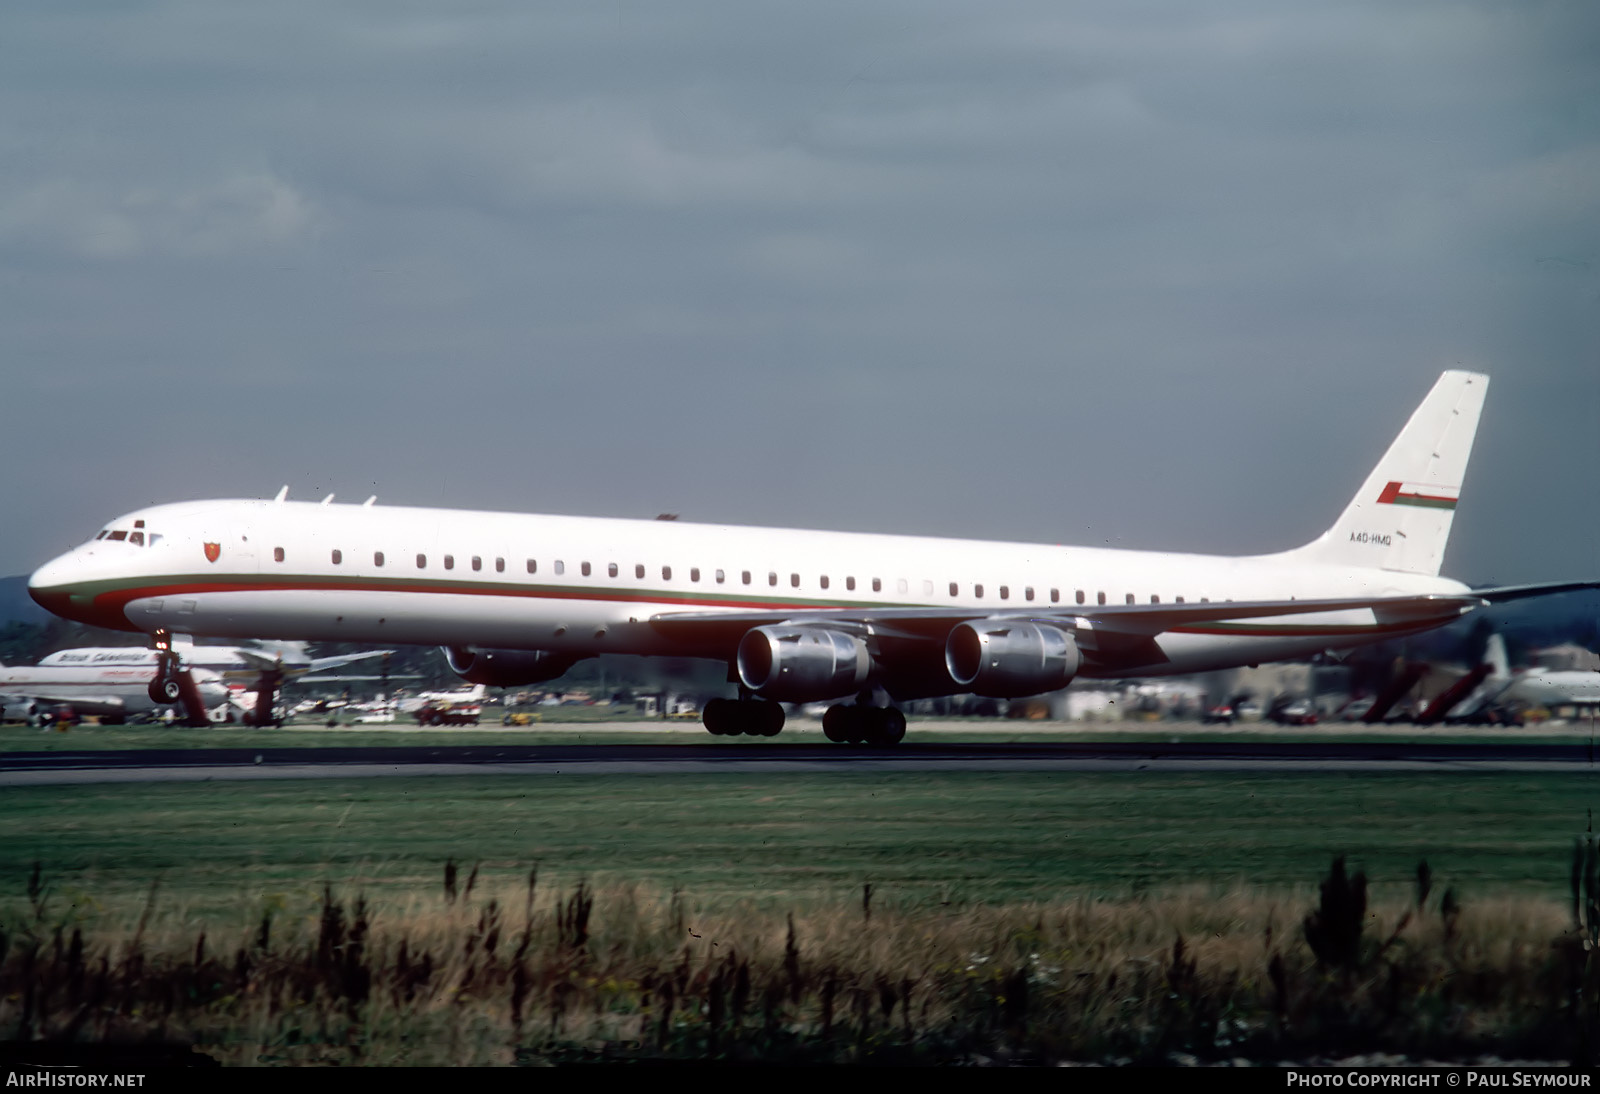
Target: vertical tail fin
<point x="1400" y="518"/>
<point x="1494" y="655"/>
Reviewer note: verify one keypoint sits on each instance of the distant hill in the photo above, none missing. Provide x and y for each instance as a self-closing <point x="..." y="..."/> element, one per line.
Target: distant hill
<point x="16" y="606"/>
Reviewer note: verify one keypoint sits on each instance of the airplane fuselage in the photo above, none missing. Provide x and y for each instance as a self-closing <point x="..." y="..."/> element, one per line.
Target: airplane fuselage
<point x="583" y="586"/>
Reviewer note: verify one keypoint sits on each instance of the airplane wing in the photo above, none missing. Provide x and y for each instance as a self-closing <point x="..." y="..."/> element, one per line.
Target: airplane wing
<point x="1103" y="631"/>
<point x="259" y="661"/>
<point x="1499" y="594"/>
<point x="318" y="664"/>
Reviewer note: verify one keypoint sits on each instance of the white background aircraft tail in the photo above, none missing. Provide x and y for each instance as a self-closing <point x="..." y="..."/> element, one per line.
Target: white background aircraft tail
<point x="1400" y="518"/>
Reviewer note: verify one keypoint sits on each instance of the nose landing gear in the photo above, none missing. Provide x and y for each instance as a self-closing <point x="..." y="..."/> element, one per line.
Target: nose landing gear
<point x="174" y="684"/>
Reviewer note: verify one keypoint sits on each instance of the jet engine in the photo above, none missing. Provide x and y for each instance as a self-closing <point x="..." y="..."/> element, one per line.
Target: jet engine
<point x="802" y="664"/>
<point x="1003" y="659"/>
<point x="506" y="668"/>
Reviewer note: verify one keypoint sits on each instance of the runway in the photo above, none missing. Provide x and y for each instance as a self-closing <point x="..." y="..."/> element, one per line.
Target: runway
<point x="770" y="758"/>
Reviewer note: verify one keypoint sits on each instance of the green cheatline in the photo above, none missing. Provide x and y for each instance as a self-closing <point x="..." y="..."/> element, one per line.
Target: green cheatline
<point x="1425" y="503"/>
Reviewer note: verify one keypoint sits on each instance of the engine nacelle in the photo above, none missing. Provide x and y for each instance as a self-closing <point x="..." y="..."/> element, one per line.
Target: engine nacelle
<point x="1006" y="660"/>
<point x="803" y="664"/>
<point x="506" y="668"/>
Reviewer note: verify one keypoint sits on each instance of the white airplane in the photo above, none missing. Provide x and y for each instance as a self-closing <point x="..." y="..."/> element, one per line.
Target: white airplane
<point x="114" y="692"/>
<point x="798" y="616"/>
<point x="233" y="663"/>
<point x="1536" y="687"/>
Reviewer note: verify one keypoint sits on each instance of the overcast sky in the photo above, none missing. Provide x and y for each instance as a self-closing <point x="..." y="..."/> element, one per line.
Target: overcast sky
<point x="1164" y="276"/>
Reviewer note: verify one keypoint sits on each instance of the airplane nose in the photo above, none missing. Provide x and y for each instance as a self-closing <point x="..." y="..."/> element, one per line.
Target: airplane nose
<point x="58" y="588"/>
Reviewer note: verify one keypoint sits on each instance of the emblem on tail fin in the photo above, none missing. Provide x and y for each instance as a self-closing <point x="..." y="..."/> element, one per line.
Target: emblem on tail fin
<point x="1422" y="496"/>
<point x="212" y="551"/>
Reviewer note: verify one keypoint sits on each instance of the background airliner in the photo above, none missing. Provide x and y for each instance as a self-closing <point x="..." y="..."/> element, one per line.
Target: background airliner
<point x="113" y="692"/>
<point x="798" y="616"/>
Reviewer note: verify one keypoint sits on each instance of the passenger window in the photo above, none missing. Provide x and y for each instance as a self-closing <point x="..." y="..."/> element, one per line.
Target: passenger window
<point x="1154" y="599"/>
<point x="850" y="584"/>
<point x="1100" y="597"/>
<point x="666" y="573"/>
<point x="721" y="577"/>
<point x="1027" y="593"/>
<point x="1005" y="592"/>
<point x="277" y="554"/>
<point x="638" y="571"/>
<point x="744" y="576"/>
<point x="1180" y="600"/>
<point x="1127" y="598"/>
<point x="477" y="562"/>
<point x="877" y="585"/>
<point x="611" y="569"/>
<point x="1055" y="596"/>
<point x="533" y="566"/>
<point x="422" y="561"/>
<point x="1205" y="600"/>
<point x="338" y="556"/>
<point x="977" y="591"/>
<point x="561" y="567"/>
<point x="583" y="567"/>
<point x="377" y="558"/>
<point x="794" y="580"/>
<point x="137" y="539"/>
<point x="772" y="577"/>
<point x="694" y="573"/>
<point x="822" y="582"/>
<point x="953" y="589"/>
<point x="1080" y="596"/>
<point x="499" y="565"/>
<point x="450" y="562"/>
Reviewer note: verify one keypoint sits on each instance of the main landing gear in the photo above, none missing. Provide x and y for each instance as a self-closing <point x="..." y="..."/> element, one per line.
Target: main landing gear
<point x="862" y="724"/>
<point x="731" y="717"/>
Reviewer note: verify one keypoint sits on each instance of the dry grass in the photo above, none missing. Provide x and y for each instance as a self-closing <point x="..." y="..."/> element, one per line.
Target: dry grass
<point x="468" y="973"/>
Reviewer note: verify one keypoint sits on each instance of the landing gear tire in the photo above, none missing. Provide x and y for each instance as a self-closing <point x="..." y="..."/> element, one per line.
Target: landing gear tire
<point x="164" y="690"/>
<point x="888" y="727"/>
<point x="716" y="717"/>
<point x="756" y="717"/>
<point x="769" y="720"/>
<point x="858" y="724"/>
<point x="835" y="723"/>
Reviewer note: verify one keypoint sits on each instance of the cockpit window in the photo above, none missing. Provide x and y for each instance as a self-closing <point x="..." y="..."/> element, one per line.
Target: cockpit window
<point x="102" y="534"/>
<point x="120" y="533"/>
<point x="137" y="539"/>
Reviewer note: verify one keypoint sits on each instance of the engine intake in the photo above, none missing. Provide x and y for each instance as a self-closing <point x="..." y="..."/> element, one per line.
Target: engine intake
<point x="802" y="664"/>
<point x="506" y="668"/>
<point x="1006" y="660"/>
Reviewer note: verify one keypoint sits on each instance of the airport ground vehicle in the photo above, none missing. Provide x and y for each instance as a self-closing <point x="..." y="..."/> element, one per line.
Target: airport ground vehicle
<point x="449" y="714"/>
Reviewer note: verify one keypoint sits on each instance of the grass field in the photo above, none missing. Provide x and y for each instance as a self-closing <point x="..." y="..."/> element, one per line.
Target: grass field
<point x="792" y="840"/>
<point x="1026" y="916"/>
